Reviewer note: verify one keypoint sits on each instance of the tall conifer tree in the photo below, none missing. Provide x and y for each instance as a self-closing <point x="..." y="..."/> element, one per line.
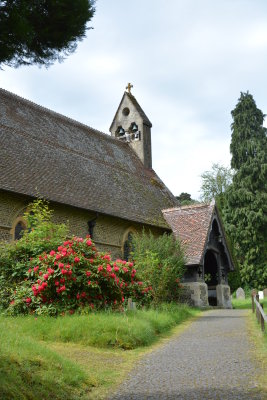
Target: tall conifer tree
<point x="245" y="212"/>
<point x="41" y="31"/>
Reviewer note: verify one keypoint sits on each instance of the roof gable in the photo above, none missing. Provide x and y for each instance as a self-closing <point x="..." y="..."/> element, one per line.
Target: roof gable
<point x="192" y="225"/>
<point x="137" y="107"/>
<point x="47" y="154"/>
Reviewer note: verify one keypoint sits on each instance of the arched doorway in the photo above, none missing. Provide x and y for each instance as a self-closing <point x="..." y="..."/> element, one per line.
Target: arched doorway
<point x="211" y="276"/>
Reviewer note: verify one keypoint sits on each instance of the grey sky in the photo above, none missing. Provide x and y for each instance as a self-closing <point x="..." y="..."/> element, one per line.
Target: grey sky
<point x="188" y="61"/>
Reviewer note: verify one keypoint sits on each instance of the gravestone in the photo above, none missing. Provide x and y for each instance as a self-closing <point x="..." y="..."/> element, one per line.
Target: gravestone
<point x="261" y="297"/>
<point x="240" y="294"/>
<point x="131" y="304"/>
<point x="265" y="292"/>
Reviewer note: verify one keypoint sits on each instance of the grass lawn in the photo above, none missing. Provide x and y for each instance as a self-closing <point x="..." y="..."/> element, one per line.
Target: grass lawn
<point x="78" y="357"/>
<point x="260" y="345"/>
<point x="258" y="338"/>
<point x="242" y="304"/>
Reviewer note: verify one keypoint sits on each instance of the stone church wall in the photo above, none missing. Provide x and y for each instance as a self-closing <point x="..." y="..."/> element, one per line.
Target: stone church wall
<point x="109" y="232"/>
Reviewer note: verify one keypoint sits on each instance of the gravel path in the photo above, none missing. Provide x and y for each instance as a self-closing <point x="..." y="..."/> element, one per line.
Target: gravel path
<point x="212" y="359"/>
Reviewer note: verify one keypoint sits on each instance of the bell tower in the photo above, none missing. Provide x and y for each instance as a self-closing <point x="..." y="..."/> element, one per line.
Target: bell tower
<point x="132" y="126"/>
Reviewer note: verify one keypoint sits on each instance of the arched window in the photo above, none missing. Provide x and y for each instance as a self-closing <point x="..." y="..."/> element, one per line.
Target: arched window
<point x="19" y="226"/>
<point x="128" y="246"/>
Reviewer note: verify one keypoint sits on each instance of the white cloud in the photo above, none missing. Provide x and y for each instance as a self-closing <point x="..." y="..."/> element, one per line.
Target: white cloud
<point x="188" y="61"/>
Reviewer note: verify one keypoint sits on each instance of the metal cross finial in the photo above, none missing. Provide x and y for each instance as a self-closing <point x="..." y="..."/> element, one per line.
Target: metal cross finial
<point x="129" y="87"/>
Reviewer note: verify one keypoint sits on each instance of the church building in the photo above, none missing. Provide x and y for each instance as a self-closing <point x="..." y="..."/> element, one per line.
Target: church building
<point x="104" y="185"/>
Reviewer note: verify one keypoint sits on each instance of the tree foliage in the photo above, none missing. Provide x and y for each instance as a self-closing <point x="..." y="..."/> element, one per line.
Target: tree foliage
<point x="41" y="235"/>
<point x="185" y="199"/>
<point x="41" y="32"/>
<point x="245" y="211"/>
<point x="159" y="262"/>
<point x="215" y="183"/>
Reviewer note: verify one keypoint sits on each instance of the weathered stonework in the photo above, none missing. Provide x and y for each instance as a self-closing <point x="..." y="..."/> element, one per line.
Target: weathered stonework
<point x="109" y="232"/>
<point x="223" y="296"/>
<point x="134" y="113"/>
<point x="199" y="293"/>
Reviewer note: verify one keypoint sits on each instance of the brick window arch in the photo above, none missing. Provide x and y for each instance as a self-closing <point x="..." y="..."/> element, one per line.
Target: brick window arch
<point x="18" y="227"/>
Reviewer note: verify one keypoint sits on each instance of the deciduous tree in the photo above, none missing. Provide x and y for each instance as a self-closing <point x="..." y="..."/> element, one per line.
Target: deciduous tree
<point x="215" y="182"/>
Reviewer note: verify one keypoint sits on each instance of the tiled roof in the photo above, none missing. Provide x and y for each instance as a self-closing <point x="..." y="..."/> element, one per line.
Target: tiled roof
<point x="44" y="153"/>
<point x="191" y="225"/>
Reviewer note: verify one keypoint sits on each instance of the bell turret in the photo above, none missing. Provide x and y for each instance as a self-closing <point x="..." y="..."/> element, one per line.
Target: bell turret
<point x="131" y="125"/>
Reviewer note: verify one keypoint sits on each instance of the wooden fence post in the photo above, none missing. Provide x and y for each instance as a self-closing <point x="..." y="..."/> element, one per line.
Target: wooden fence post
<point x="253" y="303"/>
<point x="262" y="324"/>
<point x="257" y="309"/>
<point x="262" y="320"/>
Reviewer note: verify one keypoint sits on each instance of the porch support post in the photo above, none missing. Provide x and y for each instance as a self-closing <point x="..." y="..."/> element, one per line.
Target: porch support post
<point x="223" y="296"/>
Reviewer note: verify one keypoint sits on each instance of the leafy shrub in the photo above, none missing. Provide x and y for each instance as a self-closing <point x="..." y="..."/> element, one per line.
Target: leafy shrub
<point x="46" y="272"/>
<point x="160" y="262"/>
<point x="234" y="279"/>
<point x="41" y="235"/>
<point x="75" y="276"/>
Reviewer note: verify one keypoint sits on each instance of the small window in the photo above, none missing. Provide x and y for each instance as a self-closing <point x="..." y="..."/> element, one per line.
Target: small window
<point x="128" y="247"/>
<point x="126" y="111"/>
<point x="19" y="228"/>
<point x="120" y="131"/>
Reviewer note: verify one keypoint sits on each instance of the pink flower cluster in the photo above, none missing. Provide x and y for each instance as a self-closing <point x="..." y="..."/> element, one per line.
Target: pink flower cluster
<point x="75" y="275"/>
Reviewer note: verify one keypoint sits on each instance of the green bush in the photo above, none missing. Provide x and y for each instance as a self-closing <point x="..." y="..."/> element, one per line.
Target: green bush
<point x="75" y="277"/>
<point x="234" y="279"/>
<point x="47" y="273"/>
<point x="41" y="235"/>
<point x="159" y="262"/>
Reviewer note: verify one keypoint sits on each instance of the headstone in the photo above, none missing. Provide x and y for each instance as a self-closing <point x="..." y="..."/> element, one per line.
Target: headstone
<point x="131" y="304"/>
<point x="261" y="297"/>
<point x="265" y="292"/>
<point x="240" y="294"/>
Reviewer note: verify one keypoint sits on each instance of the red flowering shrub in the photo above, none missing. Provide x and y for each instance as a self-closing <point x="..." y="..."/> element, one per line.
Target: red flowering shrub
<point x="75" y="276"/>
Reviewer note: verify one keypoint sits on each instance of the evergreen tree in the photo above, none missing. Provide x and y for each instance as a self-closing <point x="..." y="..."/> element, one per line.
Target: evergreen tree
<point x="41" y="32"/>
<point x="245" y="211"/>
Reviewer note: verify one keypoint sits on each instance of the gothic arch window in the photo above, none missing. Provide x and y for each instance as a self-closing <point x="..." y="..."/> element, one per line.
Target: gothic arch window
<point x="215" y="232"/>
<point x="127" y="244"/>
<point x="120" y="131"/>
<point x="18" y="227"/>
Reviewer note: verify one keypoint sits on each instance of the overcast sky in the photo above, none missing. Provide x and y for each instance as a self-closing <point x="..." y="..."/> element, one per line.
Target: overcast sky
<point x="188" y="61"/>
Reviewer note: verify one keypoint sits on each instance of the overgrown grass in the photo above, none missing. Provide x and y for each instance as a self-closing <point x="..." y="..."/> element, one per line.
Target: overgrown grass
<point x="30" y="370"/>
<point x="49" y="357"/>
<point x="243" y="304"/>
<point x="127" y="330"/>
<point x="260" y="341"/>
